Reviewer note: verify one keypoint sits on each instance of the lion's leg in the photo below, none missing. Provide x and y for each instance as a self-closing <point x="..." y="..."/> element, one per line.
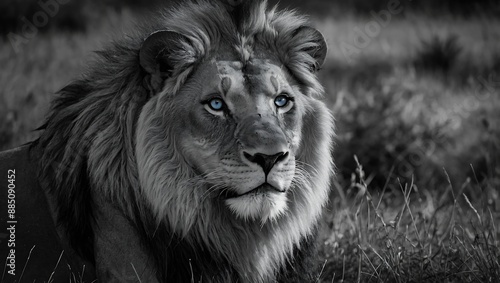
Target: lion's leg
<point x="302" y="268"/>
<point x="120" y="256"/>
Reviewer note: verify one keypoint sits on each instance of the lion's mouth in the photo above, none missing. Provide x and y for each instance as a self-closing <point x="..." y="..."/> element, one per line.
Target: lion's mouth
<point x="262" y="189"/>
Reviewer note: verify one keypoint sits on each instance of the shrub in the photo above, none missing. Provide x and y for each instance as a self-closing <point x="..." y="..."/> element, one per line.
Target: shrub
<point x="390" y="128"/>
<point x="438" y="54"/>
<point x="70" y="16"/>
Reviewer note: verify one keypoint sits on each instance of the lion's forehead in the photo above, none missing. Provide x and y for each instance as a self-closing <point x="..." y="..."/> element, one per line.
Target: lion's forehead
<point x="255" y="76"/>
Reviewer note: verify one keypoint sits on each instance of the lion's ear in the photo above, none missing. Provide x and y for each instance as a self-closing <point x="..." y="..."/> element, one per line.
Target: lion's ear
<point x="317" y="49"/>
<point x="158" y="53"/>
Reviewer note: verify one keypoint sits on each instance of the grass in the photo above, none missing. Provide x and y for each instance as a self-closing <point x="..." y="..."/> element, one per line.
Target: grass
<point x="416" y="100"/>
<point x="411" y="238"/>
<point x="394" y="215"/>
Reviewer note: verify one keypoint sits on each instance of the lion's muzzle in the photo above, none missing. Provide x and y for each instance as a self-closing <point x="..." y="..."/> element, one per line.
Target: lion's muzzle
<point x="266" y="161"/>
<point x="265" y="149"/>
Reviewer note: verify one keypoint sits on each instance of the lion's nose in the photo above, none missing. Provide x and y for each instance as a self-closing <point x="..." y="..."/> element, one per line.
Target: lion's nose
<point x="265" y="161"/>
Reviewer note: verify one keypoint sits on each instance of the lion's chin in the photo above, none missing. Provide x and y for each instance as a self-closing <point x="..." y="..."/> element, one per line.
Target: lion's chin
<point x="263" y="206"/>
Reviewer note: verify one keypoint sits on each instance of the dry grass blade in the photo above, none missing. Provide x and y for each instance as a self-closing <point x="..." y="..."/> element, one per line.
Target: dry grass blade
<point x="136" y="274"/>
<point x="26" y="263"/>
<point x="473" y="208"/>
<point x="57" y="264"/>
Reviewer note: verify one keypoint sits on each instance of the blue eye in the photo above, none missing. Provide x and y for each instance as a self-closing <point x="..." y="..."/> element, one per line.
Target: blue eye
<point x="216" y="104"/>
<point x="281" y="100"/>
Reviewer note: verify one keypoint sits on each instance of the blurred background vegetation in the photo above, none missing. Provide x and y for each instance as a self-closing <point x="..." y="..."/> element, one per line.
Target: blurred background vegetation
<point x="417" y="100"/>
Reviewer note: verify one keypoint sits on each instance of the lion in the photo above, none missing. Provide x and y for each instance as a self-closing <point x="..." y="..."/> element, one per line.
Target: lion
<point x="196" y="149"/>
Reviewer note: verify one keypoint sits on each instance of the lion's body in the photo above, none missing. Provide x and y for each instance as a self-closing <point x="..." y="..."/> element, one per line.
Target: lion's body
<point x="199" y="154"/>
<point x="39" y="253"/>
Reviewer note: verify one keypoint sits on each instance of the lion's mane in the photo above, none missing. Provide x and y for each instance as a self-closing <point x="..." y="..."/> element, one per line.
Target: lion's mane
<point x="89" y="150"/>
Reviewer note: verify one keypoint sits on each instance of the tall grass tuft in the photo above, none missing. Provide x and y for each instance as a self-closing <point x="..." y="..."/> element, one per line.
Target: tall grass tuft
<point x="413" y="239"/>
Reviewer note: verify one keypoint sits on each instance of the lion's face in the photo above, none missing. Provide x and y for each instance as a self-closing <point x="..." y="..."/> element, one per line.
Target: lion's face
<point x="242" y="133"/>
<point x="234" y="130"/>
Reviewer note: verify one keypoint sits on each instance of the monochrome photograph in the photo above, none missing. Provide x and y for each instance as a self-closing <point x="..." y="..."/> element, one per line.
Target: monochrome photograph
<point x="250" y="141"/>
